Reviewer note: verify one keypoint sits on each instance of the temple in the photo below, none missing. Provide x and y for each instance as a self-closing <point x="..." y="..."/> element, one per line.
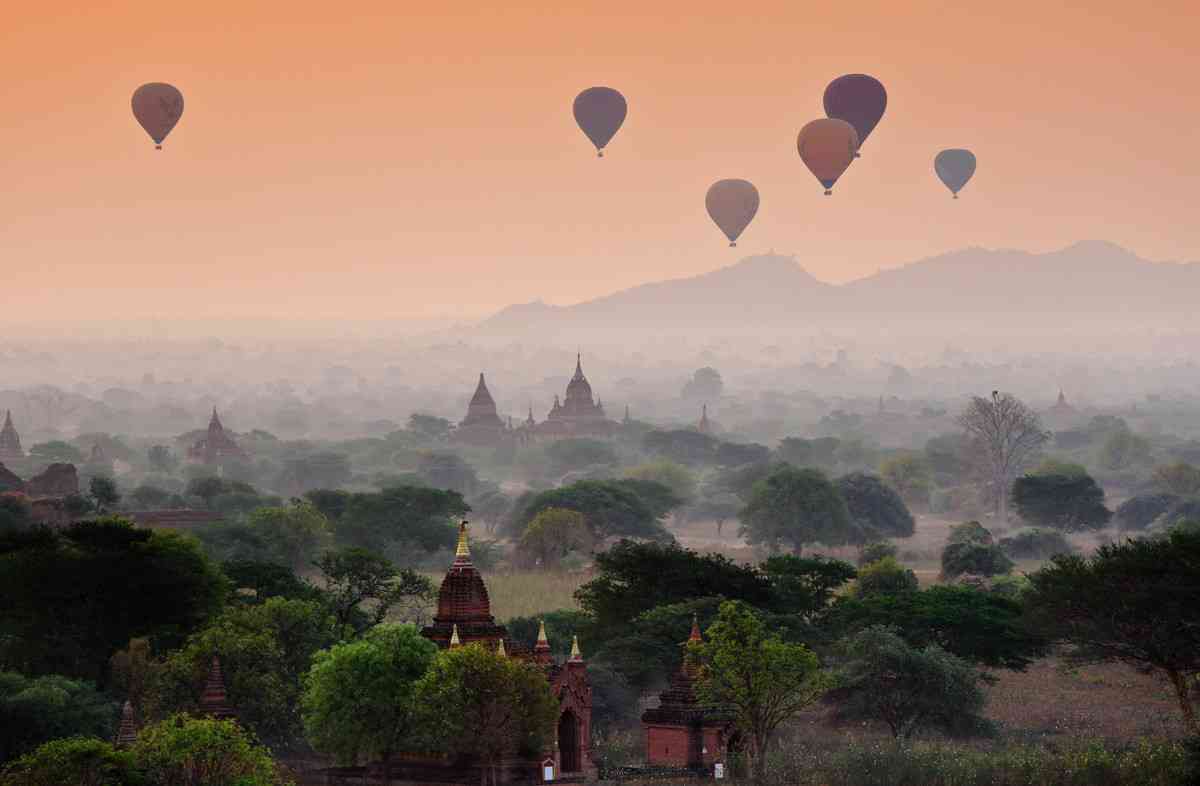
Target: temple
<point x="1061" y="408"/>
<point x="215" y="445"/>
<point x="10" y="441"/>
<point x="704" y="426"/>
<point x="577" y="415"/>
<point x="482" y="426"/>
<point x="681" y="732"/>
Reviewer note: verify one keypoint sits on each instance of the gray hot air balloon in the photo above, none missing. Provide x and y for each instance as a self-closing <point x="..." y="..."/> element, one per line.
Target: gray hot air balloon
<point x="158" y="107"/>
<point x="732" y="205"/>
<point x="600" y="111"/>
<point x="954" y="168"/>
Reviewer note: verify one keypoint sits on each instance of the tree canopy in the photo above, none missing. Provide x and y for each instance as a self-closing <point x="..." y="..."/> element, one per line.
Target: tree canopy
<point x="1067" y="502"/>
<point x="877" y="510"/>
<point x="611" y="508"/>
<point x="1140" y="511"/>
<point x="34" y="710"/>
<point x="553" y="534"/>
<point x="796" y="507"/>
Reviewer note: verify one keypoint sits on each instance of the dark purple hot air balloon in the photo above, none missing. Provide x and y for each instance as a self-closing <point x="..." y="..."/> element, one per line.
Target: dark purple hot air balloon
<point x="600" y="111"/>
<point x="158" y="107"/>
<point x="732" y="205"/>
<point x="954" y="168"/>
<point x="858" y="99"/>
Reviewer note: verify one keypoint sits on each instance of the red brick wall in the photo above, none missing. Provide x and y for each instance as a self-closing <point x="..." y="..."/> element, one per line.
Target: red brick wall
<point x="666" y="745"/>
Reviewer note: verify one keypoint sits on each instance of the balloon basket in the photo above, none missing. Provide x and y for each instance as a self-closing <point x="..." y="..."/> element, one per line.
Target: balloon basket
<point x="158" y="147"/>
<point x="858" y="155"/>
<point x="599" y="154"/>
<point x="828" y="192"/>
<point x="733" y="245"/>
<point x="956" y="196"/>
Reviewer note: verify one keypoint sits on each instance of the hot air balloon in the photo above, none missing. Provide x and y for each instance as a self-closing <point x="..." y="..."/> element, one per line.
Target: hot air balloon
<point x="158" y="107"/>
<point x="954" y="168"/>
<point x="859" y="100"/>
<point x="732" y="205"/>
<point x="827" y="147"/>
<point x="600" y="111"/>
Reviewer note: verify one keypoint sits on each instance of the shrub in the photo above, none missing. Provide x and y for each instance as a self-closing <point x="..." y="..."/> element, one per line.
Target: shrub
<point x="979" y="559"/>
<point x="1138" y="513"/>
<point x="1036" y="543"/>
<point x="873" y="552"/>
<point x="885" y="577"/>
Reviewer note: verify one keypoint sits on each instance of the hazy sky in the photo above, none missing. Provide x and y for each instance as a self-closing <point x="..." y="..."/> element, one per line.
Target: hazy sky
<point x="383" y="159"/>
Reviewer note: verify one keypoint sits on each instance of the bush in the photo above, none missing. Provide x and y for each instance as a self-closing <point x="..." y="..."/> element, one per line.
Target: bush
<point x="1036" y="543"/>
<point x="885" y="577"/>
<point x="978" y="559"/>
<point x="1138" y="513"/>
<point x="873" y="552"/>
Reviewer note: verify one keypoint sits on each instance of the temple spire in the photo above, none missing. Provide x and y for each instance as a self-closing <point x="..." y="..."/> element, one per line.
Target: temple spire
<point x="695" y="634"/>
<point x="576" y="655"/>
<point x="463" y="549"/>
<point x="214" y="702"/>
<point x="500" y="649"/>
<point x="455" y="641"/>
<point x="541" y="650"/>
<point x="127" y="731"/>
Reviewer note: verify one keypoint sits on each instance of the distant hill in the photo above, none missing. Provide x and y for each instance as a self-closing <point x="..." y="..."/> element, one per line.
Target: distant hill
<point x="1091" y="280"/>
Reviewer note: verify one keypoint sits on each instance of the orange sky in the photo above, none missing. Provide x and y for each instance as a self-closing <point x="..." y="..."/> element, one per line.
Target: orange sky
<point x="382" y="159"/>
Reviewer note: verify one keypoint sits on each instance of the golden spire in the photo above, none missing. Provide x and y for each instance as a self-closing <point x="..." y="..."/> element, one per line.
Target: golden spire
<point x="576" y="655"/>
<point x="695" y="636"/>
<point x="500" y="649"/>
<point x="454" y="640"/>
<point x="541" y="639"/>
<point x="463" y="549"/>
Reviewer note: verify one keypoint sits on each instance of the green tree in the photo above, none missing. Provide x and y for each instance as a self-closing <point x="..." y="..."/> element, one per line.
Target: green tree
<point x="1179" y="478"/>
<point x="1071" y="503"/>
<point x="803" y="586"/>
<point x="795" y="507"/>
<point x="34" y="710"/>
<point x="293" y="534"/>
<point x="56" y="452"/>
<point x="147" y="497"/>
<point x="799" y="452"/>
<point x="1123" y="449"/>
<point x="568" y="455"/>
<point x="873" y="552"/>
<point x="611" y="508"/>
<point x="683" y="446"/>
<point x="553" y="534"/>
<point x="739" y="454"/>
<point x="85" y="761"/>
<point x="414" y="516"/>
<point x="1136" y="602"/>
<point x="886" y="679"/>
<point x="104" y="493"/>
<point x="184" y="751"/>
<point x="970" y="532"/>
<point x="1139" y="512"/>
<point x="1036" y="544"/>
<point x="353" y="577"/>
<point x="678" y="478"/>
<point x="359" y="696"/>
<point x="324" y="470"/>
<point x="491" y="507"/>
<point x="758" y="678"/>
<point x="161" y="459"/>
<point x="909" y="474"/>
<point x="265" y="650"/>
<point x="447" y="471"/>
<point x="429" y="427"/>
<point x="123" y="583"/>
<point x="885" y="577"/>
<point x="974" y="558"/>
<point x="206" y="488"/>
<point x="15" y="512"/>
<point x="255" y="582"/>
<point x="480" y="703"/>
<point x="719" y="508"/>
<point x="876" y="508"/>
<point x="657" y="497"/>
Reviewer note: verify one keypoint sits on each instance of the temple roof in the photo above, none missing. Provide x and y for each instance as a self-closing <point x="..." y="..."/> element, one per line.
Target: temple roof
<point x="463" y="602"/>
<point x="10" y="441"/>
<point x="578" y="388"/>
<point x="214" y="702"/>
<point x="482" y="397"/>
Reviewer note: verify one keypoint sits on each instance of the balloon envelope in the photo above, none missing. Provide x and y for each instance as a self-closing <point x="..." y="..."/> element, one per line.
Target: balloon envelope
<point x="954" y="168"/>
<point x="732" y="205"/>
<point x="827" y="147"/>
<point x="600" y="111"/>
<point x="158" y="107"/>
<point x="858" y="99"/>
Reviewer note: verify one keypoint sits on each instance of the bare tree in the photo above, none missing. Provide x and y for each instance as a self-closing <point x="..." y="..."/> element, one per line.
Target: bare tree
<point x="1007" y="433"/>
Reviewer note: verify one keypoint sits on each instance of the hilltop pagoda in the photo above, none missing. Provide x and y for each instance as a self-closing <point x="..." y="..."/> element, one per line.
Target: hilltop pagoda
<point x="10" y="441"/>
<point x="482" y="426"/>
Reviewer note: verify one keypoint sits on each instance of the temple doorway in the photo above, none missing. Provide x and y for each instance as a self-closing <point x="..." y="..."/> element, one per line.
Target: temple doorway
<point x="568" y="743"/>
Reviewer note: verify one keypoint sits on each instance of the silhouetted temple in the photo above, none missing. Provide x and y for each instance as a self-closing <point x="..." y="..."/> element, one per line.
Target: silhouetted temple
<point x="214" y="702"/>
<point x="10" y="441"/>
<point x="215" y="445"/>
<point x="704" y="426"/>
<point x="482" y="425"/>
<point x="577" y="415"/>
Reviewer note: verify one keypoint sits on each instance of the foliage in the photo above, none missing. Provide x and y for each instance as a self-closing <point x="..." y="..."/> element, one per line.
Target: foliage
<point x="683" y="446"/>
<point x="359" y="696"/>
<point x="85" y="761"/>
<point x="877" y="509"/>
<point x="754" y="675"/>
<point x="802" y="586"/>
<point x="739" y="481"/>
<point x="909" y="474"/>
<point x="561" y="626"/>
<point x="739" y="454"/>
<point x="1124" y="449"/>
<point x="676" y="477"/>
<point x="886" y="679"/>
<point x="491" y="507"/>
<point x="167" y="587"/>
<point x="1136" y="602"/>
<point x="447" y="471"/>
<point x="1036" y="544"/>
<point x="719" y="507"/>
<point x="181" y="751"/>
<point x="1070" y="503"/>
<point x="413" y="515"/>
<point x="974" y="558"/>
<point x="56" y="452"/>
<point x="949" y="458"/>
<point x="15" y="512"/>
<point x="255" y="582"/>
<point x="429" y="427"/>
<point x="982" y="627"/>
<point x="353" y="577"/>
<point x="611" y="508"/>
<point x="264" y="650"/>
<point x="293" y="535"/>
<point x="1006" y="434"/>
<point x="873" y="552"/>
<point x="820" y="452"/>
<point x="1139" y="512"/>
<point x="1182" y="511"/>
<point x="884" y="577"/>
<point x="161" y="459"/>
<point x="574" y="454"/>
<point x="34" y="710"/>
<point x="488" y="705"/>
<point x="795" y="507"/>
<point x="554" y="533"/>
<point x="104" y="493"/>
<point x="146" y="497"/>
<point x="319" y="470"/>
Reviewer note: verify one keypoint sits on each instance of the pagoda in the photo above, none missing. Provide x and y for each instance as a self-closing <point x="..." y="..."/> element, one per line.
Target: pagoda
<point x="463" y="603"/>
<point x="682" y="732"/>
<point x="10" y="441"/>
<point x="704" y="426"/>
<point x="578" y="414"/>
<point x="482" y="425"/>
<point x="214" y="702"/>
<point x="215" y="445"/>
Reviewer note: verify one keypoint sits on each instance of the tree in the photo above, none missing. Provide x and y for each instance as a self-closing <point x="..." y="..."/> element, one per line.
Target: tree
<point x="705" y="385"/>
<point x="103" y="492"/>
<point x="83" y="760"/>
<point x="660" y="499"/>
<point x="1007" y="434"/>
<point x="323" y="470"/>
<point x="886" y="679"/>
<point x="265" y="651"/>
<point x="1123" y="449"/>
<point x="429" y="427"/>
<point x="611" y="508"/>
<point x="56" y="452"/>
<point x="123" y="583"/>
<point x="820" y="452"/>
<point x="554" y="533"/>
<point x="1071" y="503"/>
<point x="15" y="512"/>
<point x="884" y="577"/>
<point x="1139" y="512"/>
<point x="795" y="507"/>
<point x="974" y="558"/>
<point x="676" y="477"/>
<point x="970" y="532"/>
<point x="293" y="534"/>
<point x="181" y="751"/>
<point x="491" y="507"/>
<point x="761" y="680"/>
<point x="411" y="515"/>
<point x="575" y="454"/>
<point x="34" y="710"/>
<point x="683" y="446"/>
<point x="161" y="459"/>
<point x="359" y="696"/>
<point x="739" y="454"/>
<point x="719" y="508"/>
<point x="1036" y="544"/>
<point x="255" y="582"/>
<point x="481" y="703"/>
<point x="1180" y="478"/>
<point x="146" y="497"/>
<point x="447" y="471"/>
<point x="1136" y="602"/>
<point x="356" y="576"/>
<point x="206" y="488"/>
<point x="803" y="586"/>
<point x="948" y="457"/>
<point x="908" y="473"/>
<point x="877" y="510"/>
<point x="873" y="552"/>
<point x="983" y="627"/>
